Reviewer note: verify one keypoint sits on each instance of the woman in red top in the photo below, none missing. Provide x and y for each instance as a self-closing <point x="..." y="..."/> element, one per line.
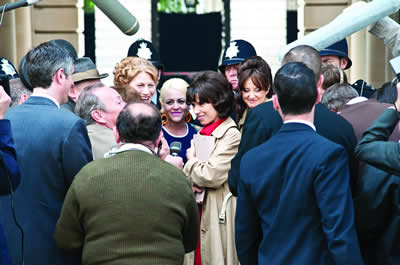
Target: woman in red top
<point x="212" y="99"/>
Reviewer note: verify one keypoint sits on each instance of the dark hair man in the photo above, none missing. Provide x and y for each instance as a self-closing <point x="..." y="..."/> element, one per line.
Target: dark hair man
<point x="262" y="122"/>
<point x="131" y="207"/>
<point x="299" y="209"/>
<point x="52" y="146"/>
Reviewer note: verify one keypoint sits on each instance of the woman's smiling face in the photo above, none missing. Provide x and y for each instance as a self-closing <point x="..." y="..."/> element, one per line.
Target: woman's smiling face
<point x="174" y="105"/>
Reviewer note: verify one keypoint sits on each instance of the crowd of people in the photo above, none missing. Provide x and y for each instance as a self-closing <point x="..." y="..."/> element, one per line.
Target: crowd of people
<point x="230" y="167"/>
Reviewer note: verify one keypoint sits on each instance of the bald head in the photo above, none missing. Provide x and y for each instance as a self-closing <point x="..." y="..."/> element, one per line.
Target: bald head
<point x="139" y="122"/>
<point x="306" y="55"/>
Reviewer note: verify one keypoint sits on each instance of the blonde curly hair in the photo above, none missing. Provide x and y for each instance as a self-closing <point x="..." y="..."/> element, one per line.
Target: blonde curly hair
<point x="129" y="67"/>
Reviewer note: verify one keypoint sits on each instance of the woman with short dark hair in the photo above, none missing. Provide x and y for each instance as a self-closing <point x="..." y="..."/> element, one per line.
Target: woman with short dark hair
<point x="255" y="86"/>
<point x="212" y="99"/>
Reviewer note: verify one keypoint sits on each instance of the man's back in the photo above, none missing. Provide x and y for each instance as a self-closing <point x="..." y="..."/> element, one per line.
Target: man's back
<point x="131" y="208"/>
<point x="52" y="146"/>
<point x="297" y="205"/>
<point x="262" y="122"/>
<point x="361" y="115"/>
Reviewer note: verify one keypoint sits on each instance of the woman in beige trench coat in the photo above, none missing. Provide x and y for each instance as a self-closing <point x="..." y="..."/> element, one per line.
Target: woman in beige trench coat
<point x="213" y="101"/>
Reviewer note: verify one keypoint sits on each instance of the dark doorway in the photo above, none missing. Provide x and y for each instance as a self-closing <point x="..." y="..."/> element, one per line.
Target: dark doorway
<point x="291" y="29"/>
<point x="190" y="42"/>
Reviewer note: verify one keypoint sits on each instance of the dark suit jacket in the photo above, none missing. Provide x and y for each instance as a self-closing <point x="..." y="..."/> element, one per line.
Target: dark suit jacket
<point x="294" y="204"/>
<point x="377" y="216"/>
<point x="52" y="146"/>
<point x="374" y="147"/>
<point x="9" y="167"/>
<point x="9" y="157"/>
<point x="262" y="122"/>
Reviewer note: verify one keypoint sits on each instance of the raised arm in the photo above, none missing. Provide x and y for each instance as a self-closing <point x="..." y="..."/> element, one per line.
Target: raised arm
<point x="8" y="165"/>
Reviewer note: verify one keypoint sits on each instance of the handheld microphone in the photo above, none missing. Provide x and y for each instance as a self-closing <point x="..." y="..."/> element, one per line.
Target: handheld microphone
<point x="119" y="15"/>
<point x="15" y="5"/>
<point x="175" y="148"/>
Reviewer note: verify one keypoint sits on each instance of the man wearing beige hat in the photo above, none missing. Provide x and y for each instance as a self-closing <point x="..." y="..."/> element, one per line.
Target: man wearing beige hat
<point x="85" y="74"/>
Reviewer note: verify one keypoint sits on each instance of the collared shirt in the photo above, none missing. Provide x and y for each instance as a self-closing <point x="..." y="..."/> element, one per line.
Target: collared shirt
<point x="122" y="147"/>
<point x="44" y="95"/>
<point x="302" y="121"/>
<point x="356" y="100"/>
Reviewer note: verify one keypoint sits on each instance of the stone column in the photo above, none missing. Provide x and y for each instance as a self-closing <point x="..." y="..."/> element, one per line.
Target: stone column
<point x="8" y="36"/>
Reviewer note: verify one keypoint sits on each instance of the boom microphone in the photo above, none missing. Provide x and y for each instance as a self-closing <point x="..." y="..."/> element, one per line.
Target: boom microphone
<point x="15" y="5"/>
<point x="345" y="24"/>
<point x="175" y="148"/>
<point x="119" y="15"/>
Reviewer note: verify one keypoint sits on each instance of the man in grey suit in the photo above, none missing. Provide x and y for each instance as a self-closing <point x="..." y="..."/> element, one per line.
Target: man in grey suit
<point x="52" y="146"/>
<point x="99" y="106"/>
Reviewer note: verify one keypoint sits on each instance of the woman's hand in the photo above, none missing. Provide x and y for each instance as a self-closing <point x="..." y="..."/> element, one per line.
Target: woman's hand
<point x="190" y="152"/>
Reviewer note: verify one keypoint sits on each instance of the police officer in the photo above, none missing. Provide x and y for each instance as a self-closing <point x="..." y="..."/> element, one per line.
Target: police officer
<point x="236" y="52"/>
<point x="337" y="54"/>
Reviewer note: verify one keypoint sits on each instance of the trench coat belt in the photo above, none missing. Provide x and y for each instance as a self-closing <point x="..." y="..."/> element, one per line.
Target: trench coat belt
<point x="222" y="213"/>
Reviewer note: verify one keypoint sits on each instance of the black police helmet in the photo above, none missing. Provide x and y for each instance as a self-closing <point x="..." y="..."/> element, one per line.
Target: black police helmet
<point x="338" y="49"/>
<point x="144" y="49"/>
<point x="7" y="68"/>
<point x="236" y="52"/>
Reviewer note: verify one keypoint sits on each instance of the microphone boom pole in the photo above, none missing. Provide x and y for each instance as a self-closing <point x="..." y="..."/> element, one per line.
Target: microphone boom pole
<point x="119" y="15"/>
<point x="345" y="24"/>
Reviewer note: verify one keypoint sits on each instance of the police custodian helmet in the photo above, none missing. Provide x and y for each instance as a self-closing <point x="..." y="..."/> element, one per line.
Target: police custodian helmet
<point x="144" y="49"/>
<point x="236" y="52"/>
<point x="337" y="49"/>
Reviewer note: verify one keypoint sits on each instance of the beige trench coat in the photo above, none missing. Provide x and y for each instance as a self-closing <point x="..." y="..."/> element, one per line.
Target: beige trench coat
<point x="217" y="237"/>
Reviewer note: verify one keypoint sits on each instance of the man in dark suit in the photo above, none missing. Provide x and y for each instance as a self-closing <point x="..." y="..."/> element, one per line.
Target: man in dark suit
<point x="262" y="122"/>
<point x="298" y="209"/>
<point x="9" y="171"/>
<point x="52" y="146"/>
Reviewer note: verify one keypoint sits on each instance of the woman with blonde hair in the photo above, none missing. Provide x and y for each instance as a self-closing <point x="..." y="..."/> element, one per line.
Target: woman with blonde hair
<point x="175" y="114"/>
<point x="135" y="77"/>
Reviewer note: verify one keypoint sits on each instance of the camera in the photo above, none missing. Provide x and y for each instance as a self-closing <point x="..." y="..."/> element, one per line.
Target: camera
<point x="5" y="83"/>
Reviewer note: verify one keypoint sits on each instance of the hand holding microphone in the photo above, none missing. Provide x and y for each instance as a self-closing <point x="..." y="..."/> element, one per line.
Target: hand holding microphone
<point x="173" y="158"/>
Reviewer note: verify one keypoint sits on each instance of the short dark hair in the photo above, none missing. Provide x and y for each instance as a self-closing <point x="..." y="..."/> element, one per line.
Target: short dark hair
<point x="308" y="56"/>
<point x="43" y="61"/>
<point x="295" y="88"/>
<point x="258" y="70"/>
<point x="139" y="122"/>
<point x="212" y="87"/>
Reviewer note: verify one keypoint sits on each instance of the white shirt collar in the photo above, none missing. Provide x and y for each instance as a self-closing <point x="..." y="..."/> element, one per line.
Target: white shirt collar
<point x="44" y="95"/>
<point x="356" y="100"/>
<point x="130" y="146"/>
<point x="303" y="122"/>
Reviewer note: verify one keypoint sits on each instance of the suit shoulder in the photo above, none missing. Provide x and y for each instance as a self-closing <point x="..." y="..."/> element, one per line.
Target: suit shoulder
<point x="261" y="109"/>
<point x="324" y="115"/>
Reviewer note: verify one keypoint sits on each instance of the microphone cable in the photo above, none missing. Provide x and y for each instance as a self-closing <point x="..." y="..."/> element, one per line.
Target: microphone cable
<point x="12" y="207"/>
